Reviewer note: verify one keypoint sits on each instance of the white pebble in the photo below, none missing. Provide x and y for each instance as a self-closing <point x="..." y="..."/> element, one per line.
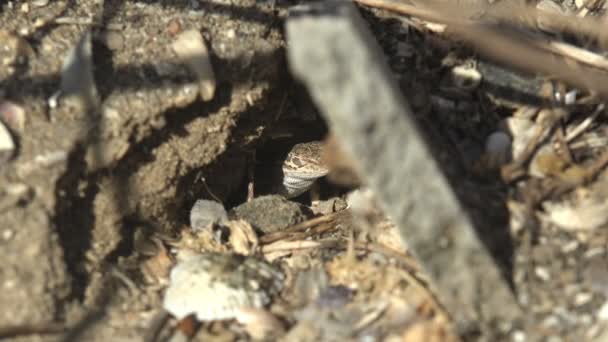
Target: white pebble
<point x="602" y="313"/>
<point x="570" y="97"/>
<point x="7" y="144"/>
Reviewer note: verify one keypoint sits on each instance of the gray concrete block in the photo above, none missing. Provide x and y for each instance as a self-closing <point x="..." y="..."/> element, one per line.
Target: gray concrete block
<point x="332" y="51"/>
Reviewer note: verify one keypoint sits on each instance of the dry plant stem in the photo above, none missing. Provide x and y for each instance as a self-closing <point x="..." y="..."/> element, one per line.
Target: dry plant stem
<point x="584" y="125"/>
<point x="520" y="15"/>
<point x="299" y="227"/>
<point x="370" y="318"/>
<point x="204" y="181"/>
<point x="281" y="246"/>
<point x="575" y="53"/>
<point x="133" y="289"/>
<point x="512" y="50"/>
<point x="251" y="180"/>
<point x="509" y="48"/>
<point x="563" y="147"/>
<point x="422" y="287"/>
<point x="411" y="271"/>
<point x="595" y="143"/>
<point x="516" y="170"/>
<point x="315" y="231"/>
<point x="156" y="326"/>
<point x="555" y="188"/>
<point x="403" y="8"/>
<point x="591" y="173"/>
<point x="321" y="229"/>
<point x="401" y="258"/>
<point x="281" y="107"/>
<point x="589" y="6"/>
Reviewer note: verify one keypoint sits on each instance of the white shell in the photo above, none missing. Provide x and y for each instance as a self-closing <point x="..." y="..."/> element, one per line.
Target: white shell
<point x="215" y="286"/>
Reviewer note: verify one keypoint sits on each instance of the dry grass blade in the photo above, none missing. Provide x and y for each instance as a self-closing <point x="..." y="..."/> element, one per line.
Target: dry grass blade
<point x="156" y="325"/>
<point x="583" y="126"/>
<point x="576" y="53"/>
<point x="300" y="227"/>
<point x="510" y="47"/>
<point x="403" y="259"/>
<point x="556" y="188"/>
<point x="281" y="246"/>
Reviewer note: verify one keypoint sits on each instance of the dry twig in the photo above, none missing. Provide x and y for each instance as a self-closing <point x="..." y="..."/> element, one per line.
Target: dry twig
<point x="511" y="47"/>
<point x="300" y="227"/>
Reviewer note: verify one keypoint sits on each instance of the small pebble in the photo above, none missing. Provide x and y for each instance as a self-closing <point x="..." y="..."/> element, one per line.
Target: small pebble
<point x="542" y="273"/>
<point x="7" y="234"/>
<point x="518" y="336"/>
<point x="39" y="3"/>
<point x="582" y="298"/>
<point x="570" y="97"/>
<point x="334" y="297"/>
<point x="113" y="40"/>
<point x="206" y="213"/>
<point x="13" y="115"/>
<point x="498" y="147"/>
<point x="602" y="313"/>
<point x="7" y="145"/>
<point x="174" y="27"/>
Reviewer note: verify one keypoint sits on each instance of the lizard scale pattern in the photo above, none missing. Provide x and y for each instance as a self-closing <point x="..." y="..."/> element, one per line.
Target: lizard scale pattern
<point x="302" y="167"/>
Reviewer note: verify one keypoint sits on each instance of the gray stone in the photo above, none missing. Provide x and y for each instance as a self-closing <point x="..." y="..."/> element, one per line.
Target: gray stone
<point x="205" y="213"/>
<point x="334" y="54"/>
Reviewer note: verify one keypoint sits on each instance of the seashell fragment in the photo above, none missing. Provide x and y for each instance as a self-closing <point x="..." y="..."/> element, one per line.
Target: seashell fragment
<point x="215" y="286"/>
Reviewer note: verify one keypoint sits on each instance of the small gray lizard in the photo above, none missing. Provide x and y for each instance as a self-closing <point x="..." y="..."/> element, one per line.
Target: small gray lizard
<point x="301" y="168"/>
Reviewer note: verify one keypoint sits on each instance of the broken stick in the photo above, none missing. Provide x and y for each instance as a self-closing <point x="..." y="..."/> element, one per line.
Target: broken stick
<point x="334" y="54"/>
